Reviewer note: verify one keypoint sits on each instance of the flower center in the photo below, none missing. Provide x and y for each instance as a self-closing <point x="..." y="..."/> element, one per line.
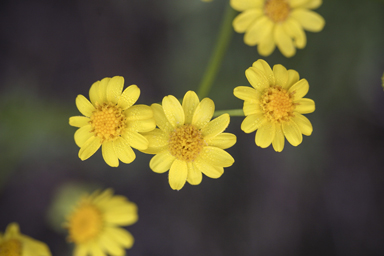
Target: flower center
<point x="108" y="121"/>
<point x="277" y="10"/>
<point x="277" y="104"/>
<point x="186" y="142"/>
<point x="85" y="224"/>
<point x="11" y="247"/>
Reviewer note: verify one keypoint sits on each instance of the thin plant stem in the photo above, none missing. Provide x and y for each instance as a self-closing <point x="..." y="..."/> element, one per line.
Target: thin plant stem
<point x="231" y="112"/>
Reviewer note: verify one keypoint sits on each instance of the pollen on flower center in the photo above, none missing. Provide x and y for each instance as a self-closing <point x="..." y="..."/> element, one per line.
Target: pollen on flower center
<point x="186" y="142"/>
<point x="108" y="121"/>
<point x="85" y="223"/>
<point x="277" y="10"/>
<point x="11" y="247"/>
<point x="277" y="104"/>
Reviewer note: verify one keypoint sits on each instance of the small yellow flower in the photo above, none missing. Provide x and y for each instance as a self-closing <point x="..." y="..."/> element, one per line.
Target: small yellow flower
<point x="94" y="224"/>
<point x="13" y="243"/>
<point x="112" y="121"/>
<point x="187" y="142"/>
<point x="275" y="104"/>
<point x="268" y="23"/>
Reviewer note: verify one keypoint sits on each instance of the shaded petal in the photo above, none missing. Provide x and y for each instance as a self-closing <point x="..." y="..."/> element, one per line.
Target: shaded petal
<point x="295" y="31"/>
<point x="258" y="31"/>
<point x="123" y="150"/>
<point x="146" y="125"/>
<point x="305" y="106"/>
<point x="203" y="113"/>
<point x="242" y="21"/>
<point x="216" y="126"/>
<point x="257" y="78"/>
<point x="281" y="75"/>
<point x="246" y="93"/>
<point x="138" y="112"/>
<point x="265" y="135"/>
<point x="194" y="174"/>
<point x="223" y="140"/>
<point x="94" y="93"/>
<point x="190" y="103"/>
<point x="216" y="156"/>
<point x="209" y="170"/>
<point x="309" y="20"/>
<point x="173" y="111"/>
<point x="135" y="139"/>
<point x="283" y="41"/>
<point x="78" y="121"/>
<point x="83" y="134"/>
<point x="251" y="108"/>
<point x="89" y="148"/>
<point x="84" y="106"/>
<point x="293" y="77"/>
<point x="264" y="66"/>
<point x="109" y="154"/>
<point x="299" y="89"/>
<point x="80" y="250"/>
<point x="279" y="140"/>
<point x="158" y="140"/>
<point x="303" y="123"/>
<point x="162" y="162"/>
<point x="160" y="118"/>
<point x="178" y="174"/>
<point x="242" y="5"/>
<point x="129" y="96"/>
<point x="292" y="133"/>
<point x="114" y="88"/>
<point x="267" y="44"/>
<point x="253" y="122"/>
<point x="122" y="236"/>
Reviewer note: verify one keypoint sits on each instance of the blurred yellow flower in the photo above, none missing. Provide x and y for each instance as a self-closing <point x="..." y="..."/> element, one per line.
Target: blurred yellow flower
<point x="268" y="23"/>
<point x="13" y="243"/>
<point x="187" y="142"/>
<point x="94" y="224"/>
<point x="275" y="104"/>
<point x="112" y="121"/>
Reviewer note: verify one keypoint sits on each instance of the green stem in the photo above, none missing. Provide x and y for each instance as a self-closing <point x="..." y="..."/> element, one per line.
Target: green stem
<point x="231" y="112"/>
<point x="217" y="56"/>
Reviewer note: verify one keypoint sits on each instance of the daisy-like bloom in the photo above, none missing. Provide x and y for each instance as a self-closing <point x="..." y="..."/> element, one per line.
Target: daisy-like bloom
<point x="13" y="243"/>
<point x="112" y="121"/>
<point x="94" y="224"/>
<point x="268" y="23"/>
<point x="275" y="104"/>
<point x="187" y="142"/>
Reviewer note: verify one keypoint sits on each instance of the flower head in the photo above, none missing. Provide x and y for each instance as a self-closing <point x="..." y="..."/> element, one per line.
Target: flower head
<point x="275" y="104"/>
<point x="13" y="243"/>
<point x="94" y="224"/>
<point x="268" y="23"/>
<point x="187" y="142"/>
<point x="112" y="121"/>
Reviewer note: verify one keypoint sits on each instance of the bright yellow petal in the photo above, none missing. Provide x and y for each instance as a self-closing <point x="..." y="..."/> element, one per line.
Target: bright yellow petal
<point x="78" y="121"/>
<point x="121" y="236"/>
<point x="109" y="154"/>
<point x="114" y="88"/>
<point x="258" y="30"/>
<point x="103" y="89"/>
<point x="12" y="231"/>
<point x="160" y="118"/>
<point x="223" y="140"/>
<point x="146" y="125"/>
<point x="313" y="4"/>
<point x="84" y="106"/>
<point x="267" y="44"/>
<point x="80" y="250"/>
<point x="242" y="5"/>
<point x="157" y="141"/>
<point x="194" y="174"/>
<point x="292" y="133"/>
<point x="203" y="113"/>
<point x="95" y="250"/>
<point x="299" y="89"/>
<point x="89" y="148"/>
<point x="279" y="140"/>
<point x="173" y="111"/>
<point x="309" y="20"/>
<point x="257" y="79"/>
<point x="129" y="96"/>
<point x="135" y="140"/>
<point x="297" y="3"/>
<point x="266" y="69"/>
<point x="253" y="122"/>
<point x="216" y="156"/>
<point x="209" y="170"/>
<point x="123" y="150"/>
<point x="138" y="112"/>
<point x="265" y="135"/>
<point x="162" y="162"/>
<point x="283" y="41"/>
<point x="216" y="126"/>
<point x="242" y="21"/>
<point x="305" y="106"/>
<point x="294" y="30"/>
<point x="281" y="75"/>
<point x="94" y="93"/>
<point x="83" y="134"/>
<point x="251" y="108"/>
<point x="303" y="123"/>
<point x="34" y="247"/>
<point x="246" y="93"/>
<point x="111" y="246"/>
<point x="293" y="77"/>
<point x="190" y="102"/>
<point x="178" y="174"/>
<point x="125" y="215"/>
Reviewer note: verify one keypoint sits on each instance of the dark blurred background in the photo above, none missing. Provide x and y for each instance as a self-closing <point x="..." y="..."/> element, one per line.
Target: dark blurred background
<point x="324" y="197"/>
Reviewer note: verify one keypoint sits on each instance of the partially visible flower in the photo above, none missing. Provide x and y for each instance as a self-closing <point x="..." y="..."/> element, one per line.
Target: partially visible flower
<point x="187" y="142"/>
<point x="268" y="23"/>
<point x="206" y="0"/>
<point x="112" y="121"/>
<point x="275" y="104"/>
<point x="94" y="224"/>
<point x="13" y="243"/>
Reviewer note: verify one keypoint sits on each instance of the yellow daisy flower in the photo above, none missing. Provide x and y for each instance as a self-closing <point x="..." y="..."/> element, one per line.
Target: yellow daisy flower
<point x="112" y="121"/>
<point x="13" y="243"/>
<point x="187" y="142"/>
<point x="275" y="104"/>
<point x="94" y="224"/>
<point x="268" y="23"/>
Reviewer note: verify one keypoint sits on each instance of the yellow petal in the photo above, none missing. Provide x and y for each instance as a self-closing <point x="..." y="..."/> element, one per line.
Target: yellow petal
<point x="129" y="96"/>
<point x="146" y="125"/>
<point x="95" y="250"/>
<point x="209" y="170"/>
<point x="114" y="88"/>
<point x="283" y="41"/>
<point x="258" y="30"/>
<point x="103" y="89"/>
<point x="251" y="108"/>
<point x="242" y="5"/>
<point x="123" y="215"/>
<point x="178" y="174"/>
<point x="292" y="133"/>
<point x="89" y="148"/>
<point x="111" y="246"/>
<point x="297" y="3"/>
<point x="266" y="69"/>
<point x="109" y="154"/>
<point x="281" y="75"/>
<point x="294" y="30"/>
<point x="94" y="93"/>
<point x="123" y="150"/>
<point x="253" y="122"/>
<point x="309" y="20"/>
<point x="190" y="102"/>
<point x="83" y="134"/>
<point x="257" y="79"/>
<point x="305" y="106"/>
<point x="203" y="113"/>
<point x="160" y="118"/>
<point x="216" y="126"/>
<point x="245" y="19"/>
<point x="194" y="174"/>
<point x="138" y="112"/>
<point x="223" y="140"/>
<point x="157" y="141"/>
<point x="246" y="93"/>
<point x="84" y="106"/>
<point x="161" y="162"/>
<point x="135" y="139"/>
<point x="34" y="247"/>
<point x="78" y="121"/>
<point x="299" y="89"/>
<point x="313" y="4"/>
<point x="279" y="140"/>
<point x="216" y="156"/>
<point x="267" y="44"/>
<point x="265" y="135"/>
<point x="303" y="123"/>
<point x="122" y="236"/>
<point x="293" y="77"/>
<point x="173" y="111"/>
<point x="80" y="250"/>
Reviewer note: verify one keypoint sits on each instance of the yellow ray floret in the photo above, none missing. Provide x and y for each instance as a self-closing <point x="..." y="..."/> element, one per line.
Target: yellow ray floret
<point x="281" y="23"/>
<point x="275" y="104"/>
<point x="111" y="120"/>
<point x="188" y="143"/>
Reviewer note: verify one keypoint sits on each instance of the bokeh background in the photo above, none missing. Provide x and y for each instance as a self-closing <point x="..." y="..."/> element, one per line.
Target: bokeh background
<point x="324" y="197"/>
